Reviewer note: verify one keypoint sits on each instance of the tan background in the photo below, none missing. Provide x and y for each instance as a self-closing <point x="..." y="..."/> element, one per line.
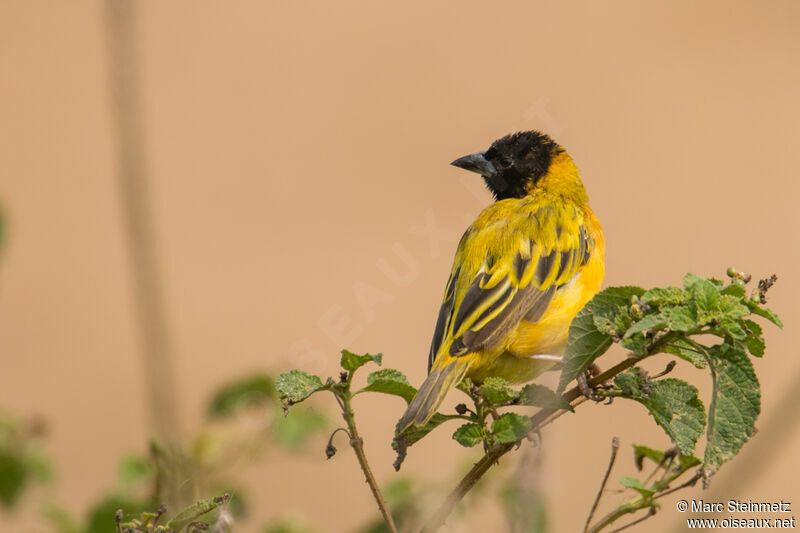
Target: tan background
<point x="294" y="145"/>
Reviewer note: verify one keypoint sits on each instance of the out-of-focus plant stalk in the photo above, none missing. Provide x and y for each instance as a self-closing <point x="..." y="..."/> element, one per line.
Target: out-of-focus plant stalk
<point x="160" y="389"/>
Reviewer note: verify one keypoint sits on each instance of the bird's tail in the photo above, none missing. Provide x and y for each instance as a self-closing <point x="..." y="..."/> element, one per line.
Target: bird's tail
<point x="443" y="377"/>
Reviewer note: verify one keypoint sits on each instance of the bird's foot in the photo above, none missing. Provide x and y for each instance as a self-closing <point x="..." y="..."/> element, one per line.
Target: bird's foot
<point x="587" y="390"/>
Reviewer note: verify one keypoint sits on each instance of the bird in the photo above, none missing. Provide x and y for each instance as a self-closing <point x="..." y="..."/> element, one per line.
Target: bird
<point x="522" y="271"/>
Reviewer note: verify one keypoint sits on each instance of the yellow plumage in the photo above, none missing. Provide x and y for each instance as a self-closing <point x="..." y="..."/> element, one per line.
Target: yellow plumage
<point x="521" y="272"/>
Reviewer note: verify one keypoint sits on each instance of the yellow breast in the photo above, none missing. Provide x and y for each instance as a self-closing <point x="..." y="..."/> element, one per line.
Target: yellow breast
<point x="548" y="335"/>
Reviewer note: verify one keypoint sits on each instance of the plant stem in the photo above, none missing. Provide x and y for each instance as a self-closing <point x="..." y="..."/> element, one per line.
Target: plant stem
<point x="538" y="420"/>
<point x="614" y="449"/>
<point x="157" y="364"/>
<point x="357" y="444"/>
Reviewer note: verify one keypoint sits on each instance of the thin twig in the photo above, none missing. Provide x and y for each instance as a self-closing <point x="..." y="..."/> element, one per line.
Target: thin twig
<point x="611" y="460"/>
<point x="650" y="513"/>
<point x="357" y="444"/>
<point x="540" y="419"/>
<point x="691" y="483"/>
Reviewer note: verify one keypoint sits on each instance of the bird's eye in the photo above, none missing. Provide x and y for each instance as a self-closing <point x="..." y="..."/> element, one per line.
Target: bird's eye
<point x="505" y="162"/>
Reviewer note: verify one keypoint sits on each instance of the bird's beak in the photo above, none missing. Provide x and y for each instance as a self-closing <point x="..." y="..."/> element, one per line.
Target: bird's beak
<point x="476" y="162"/>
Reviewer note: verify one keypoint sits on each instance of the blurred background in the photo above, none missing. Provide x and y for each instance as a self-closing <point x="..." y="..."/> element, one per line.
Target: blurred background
<point x="199" y="191"/>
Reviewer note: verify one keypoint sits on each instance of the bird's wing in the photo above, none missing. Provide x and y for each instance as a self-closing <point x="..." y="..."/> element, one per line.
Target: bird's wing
<point x="507" y="267"/>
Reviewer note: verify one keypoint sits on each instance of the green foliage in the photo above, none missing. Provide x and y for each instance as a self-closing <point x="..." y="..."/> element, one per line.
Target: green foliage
<point x="673" y="403"/>
<point x="287" y="524"/>
<point x="405" y="499"/>
<point x="22" y="461"/>
<point x="389" y="381"/>
<point x="101" y="514"/>
<point x="469" y="435"/>
<point x="257" y="389"/>
<point x="510" y="427"/>
<point x="670" y="465"/>
<point x="352" y="362"/>
<point x="415" y="433"/>
<point x="669" y="320"/>
<point x="297" y="385"/>
<point x="540" y="396"/>
<point x="735" y="405"/>
<point x="674" y="320"/>
<point x="292" y="432"/>
<point x="195" y="511"/>
<point x="497" y="391"/>
<point x="594" y="329"/>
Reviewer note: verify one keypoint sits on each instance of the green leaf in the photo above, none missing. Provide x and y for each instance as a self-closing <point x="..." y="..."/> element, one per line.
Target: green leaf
<point x="292" y="432"/>
<point x="133" y="468"/>
<point x="680" y="318"/>
<point x="413" y="434"/>
<point x="652" y="322"/>
<point x="673" y="403"/>
<point x="352" y="362"/>
<point x="735" y="405"/>
<point x="287" y="524"/>
<point x="297" y="385"/>
<point x="756" y="309"/>
<point x="686" y="351"/>
<point x="101" y="515"/>
<point x="754" y="341"/>
<point x="635" y="484"/>
<point x="257" y="389"/>
<point x="497" y="391"/>
<point x="637" y="344"/>
<point x="706" y="297"/>
<point x="389" y="381"/>
<point x="640" y="453"/>
<point x="586" y="342"/>
<point x="13" y="478"/>
<point x="510" y="427"/>
<point x="665" y="296"/>
<point x="736" y="288"/>
<point x="193" y="512"/>
<point x="540" y="396"/>
<point x="733" y="308"/>
<point x="468" y="435"/>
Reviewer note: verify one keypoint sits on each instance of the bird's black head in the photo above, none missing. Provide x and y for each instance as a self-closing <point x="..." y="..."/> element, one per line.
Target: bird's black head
<point x="513" y="164"/>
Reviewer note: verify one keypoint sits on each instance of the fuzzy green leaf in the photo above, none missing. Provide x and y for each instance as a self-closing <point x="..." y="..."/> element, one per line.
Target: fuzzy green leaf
<point x="540" y="396"/>
<point x="13" y="477"/>
<point x="640" y="453"/>
<point x="468" y="435"/>
<point x="653" y="322"/>
<point x="292" y="432"/>
<point x="706" y="297"/>
<point x="756" y="309"/>
<point x="257" y="389"/>
<point x="637" y="344"/>
<point x="497" y="391"/>
<point x="735" y="405"/>
<point x="510" y="427"/>
<point x="754" y="340"/>
<point x="635" y="484"/>
<point x="352" y="362"/>
<point x="586" y="342"/>
<point x="686" y="351"/>
<point x="389" y="381"/>
<point x="681" y="318"/>
<point x="415" y="433"/>
<point x="665" y="296"/>
<point x="297" y="385"/>
<point x="673" y="403"/>
<point x="193" y="512"/>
